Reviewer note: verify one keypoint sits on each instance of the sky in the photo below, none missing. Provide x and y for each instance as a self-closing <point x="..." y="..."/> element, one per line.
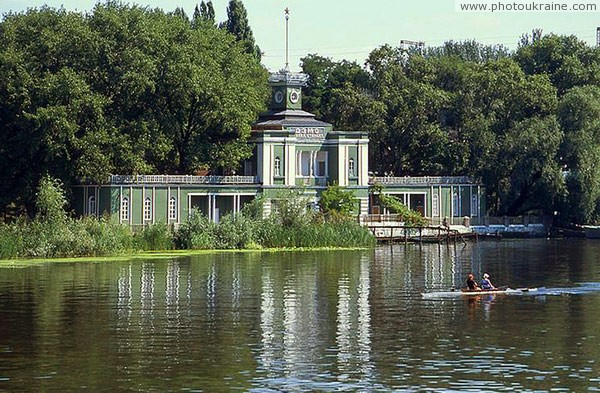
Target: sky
<point x="351" y="29"/>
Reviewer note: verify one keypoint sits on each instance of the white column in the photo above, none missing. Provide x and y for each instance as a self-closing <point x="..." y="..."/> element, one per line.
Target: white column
<point x="264" y="159"/>
<point x="342" y="165"/>
<point x="130" y="212"/>
<point x="451" y="202"/>
<point x="153" y="205"/>
<point x="290" y="164"/>
<point x="363" y="165"/>
<point x="179" y="205"/>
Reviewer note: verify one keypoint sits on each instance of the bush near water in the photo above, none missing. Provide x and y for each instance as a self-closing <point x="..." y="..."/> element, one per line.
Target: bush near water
<point x="53" y="234"/>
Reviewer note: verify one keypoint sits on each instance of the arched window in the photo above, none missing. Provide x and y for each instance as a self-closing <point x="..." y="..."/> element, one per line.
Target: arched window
<point x="435" y="205"/>
<point x="92" y="205"/>
<point x="124" y="209"/>
<point x="351" y="168"/>
<point x="277" y="167"/>
<point x="147" y="209"/>
<point x="172" y="208"/>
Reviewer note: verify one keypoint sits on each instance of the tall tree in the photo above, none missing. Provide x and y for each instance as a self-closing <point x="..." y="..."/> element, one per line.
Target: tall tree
<point x="566" y="59"/>
<point x="204" y="13"/>
<point x="120" y="90"/>
<point x="579" y="115"/>
<point x="237" y="24"/>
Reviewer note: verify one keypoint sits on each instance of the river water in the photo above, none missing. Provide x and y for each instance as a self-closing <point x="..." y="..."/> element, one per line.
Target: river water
<point x="350" y="321"/>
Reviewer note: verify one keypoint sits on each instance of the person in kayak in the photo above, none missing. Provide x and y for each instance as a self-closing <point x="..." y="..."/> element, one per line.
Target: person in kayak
<point x="486" y="284"/>
<point x="471" y="284"/>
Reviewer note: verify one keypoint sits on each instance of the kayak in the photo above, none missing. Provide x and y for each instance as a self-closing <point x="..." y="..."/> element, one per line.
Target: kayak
<point x="465" y="292"/>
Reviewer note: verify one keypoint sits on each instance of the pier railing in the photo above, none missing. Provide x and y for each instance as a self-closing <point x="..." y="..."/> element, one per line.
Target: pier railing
<point x="422" y="180"/>
<point x="525" y="220"/>
<point x="181" y="179"/>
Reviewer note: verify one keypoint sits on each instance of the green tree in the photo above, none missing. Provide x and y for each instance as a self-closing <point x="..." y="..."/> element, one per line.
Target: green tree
<point x="566" y="59"/>
<point x="337" y="203"/>
<point x="579" y="114"/>
<point x="237" y="24"/>
<point x="204" y="13"/>
<point x="469" y="50"/>
<point x="119" y="90"/>
<point x="51" y="201"/>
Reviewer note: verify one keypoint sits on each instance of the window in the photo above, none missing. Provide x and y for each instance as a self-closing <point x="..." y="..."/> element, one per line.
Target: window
<point x="124" y="209"/>
<point x="474" y="205"/>
<point x="277" y="168"/>
<point x="304" y="164"/>
<point x="351" y="168"/>
<point x="455" y="203"/>
<point x="321" y="167"/>
<point x="147" y="209"/>
<point x="248" y="168"/>
<point x="172" y="208"/>
<point x="435" y="205"/>
<point x="92" y="205"/>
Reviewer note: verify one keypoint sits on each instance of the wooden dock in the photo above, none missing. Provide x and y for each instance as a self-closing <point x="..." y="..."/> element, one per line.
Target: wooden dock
<point x="427" y="234"/>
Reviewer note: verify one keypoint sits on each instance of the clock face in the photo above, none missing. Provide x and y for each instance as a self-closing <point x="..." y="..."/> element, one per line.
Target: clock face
<point x="278" y="97"/>
<point x="294" y="96"/>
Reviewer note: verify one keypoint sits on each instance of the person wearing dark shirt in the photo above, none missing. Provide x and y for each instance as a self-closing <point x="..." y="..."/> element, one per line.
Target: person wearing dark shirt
<point x="471" y="284"/>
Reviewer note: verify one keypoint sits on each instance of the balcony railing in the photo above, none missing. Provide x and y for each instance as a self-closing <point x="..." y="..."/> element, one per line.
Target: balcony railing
<point x="181" y="179"/>
<point x="422" y="180"/>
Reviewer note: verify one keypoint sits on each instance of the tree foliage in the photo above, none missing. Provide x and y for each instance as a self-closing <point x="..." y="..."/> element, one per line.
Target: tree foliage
<point x="237" y="24"/>
<point x="338" y="203"/>
<point x="123" y="89"/>
<point x="524" y="123"/>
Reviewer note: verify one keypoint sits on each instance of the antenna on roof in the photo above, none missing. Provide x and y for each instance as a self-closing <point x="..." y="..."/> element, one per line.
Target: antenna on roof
<point x="287" y="17"/>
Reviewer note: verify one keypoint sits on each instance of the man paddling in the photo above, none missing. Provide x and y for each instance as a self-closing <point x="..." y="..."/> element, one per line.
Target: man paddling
<point x="471" y="284"/>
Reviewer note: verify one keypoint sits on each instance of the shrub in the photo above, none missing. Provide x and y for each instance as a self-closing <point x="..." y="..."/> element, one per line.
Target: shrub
<point x="235" y="231"/>
<point x="155" y="237"/>
<point x="11" y="241"/>
<point x="197" y="233"/>
<point x="337" y="203"/>
<point x="292" y="209"/>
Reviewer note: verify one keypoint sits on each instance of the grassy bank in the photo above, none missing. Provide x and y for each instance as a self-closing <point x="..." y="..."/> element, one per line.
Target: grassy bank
<point x="91" y="237"/>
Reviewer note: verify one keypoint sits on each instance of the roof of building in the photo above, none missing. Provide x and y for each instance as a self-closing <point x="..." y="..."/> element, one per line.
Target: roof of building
<point x="288" y="118"/>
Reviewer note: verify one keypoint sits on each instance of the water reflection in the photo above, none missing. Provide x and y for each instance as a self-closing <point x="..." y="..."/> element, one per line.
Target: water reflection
<point x="334" y="321"/>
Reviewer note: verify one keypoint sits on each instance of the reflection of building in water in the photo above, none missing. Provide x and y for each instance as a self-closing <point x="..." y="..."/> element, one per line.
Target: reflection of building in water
<point x="147" y="290"/>
<point x="267" y="323"/>
<point x="353" y="336"/>
<point x="124" y="293"/>
<point x="448" y="266"/>
<point x="303" y="313"/>
<point x="296" y="313"/>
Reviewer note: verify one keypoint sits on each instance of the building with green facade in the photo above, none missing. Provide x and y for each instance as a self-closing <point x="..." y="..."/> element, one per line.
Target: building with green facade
<point x="291" y="149"/>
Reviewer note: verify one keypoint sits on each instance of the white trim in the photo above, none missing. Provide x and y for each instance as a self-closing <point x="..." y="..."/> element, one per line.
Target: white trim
<point x="131" y="205"/>
<point x="179" y="205"/>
